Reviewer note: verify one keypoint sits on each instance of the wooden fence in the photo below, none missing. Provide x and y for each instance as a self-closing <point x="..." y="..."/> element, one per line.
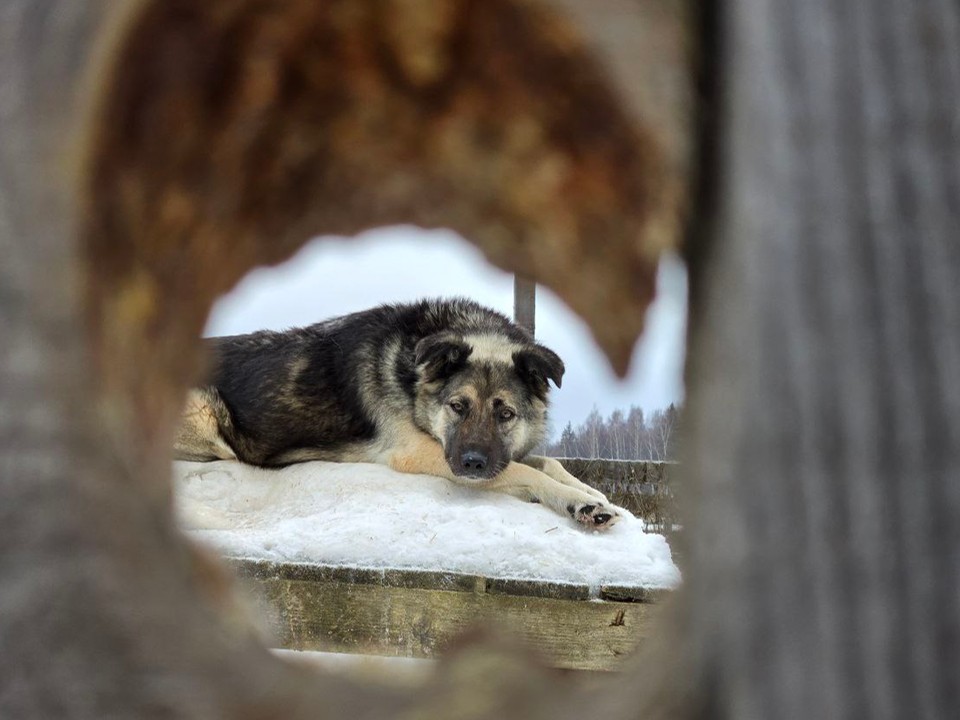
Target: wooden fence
<point x="642" y="487"/>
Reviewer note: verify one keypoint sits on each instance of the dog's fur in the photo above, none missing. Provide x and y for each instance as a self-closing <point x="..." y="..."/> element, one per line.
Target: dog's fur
<point x="446" y="387"/>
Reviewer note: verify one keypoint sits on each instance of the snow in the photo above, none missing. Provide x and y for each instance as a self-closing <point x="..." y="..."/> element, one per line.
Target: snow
<point x="351" y="663"/>
<point x="362" y="515"/>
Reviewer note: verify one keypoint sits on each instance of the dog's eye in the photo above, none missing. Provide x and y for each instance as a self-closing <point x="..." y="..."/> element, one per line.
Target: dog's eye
<point x="507" y="414"/>
<point x="457" y="406"/>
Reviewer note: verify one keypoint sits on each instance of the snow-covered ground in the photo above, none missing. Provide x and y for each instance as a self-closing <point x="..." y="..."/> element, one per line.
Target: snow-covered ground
<point x="369" y="516"/>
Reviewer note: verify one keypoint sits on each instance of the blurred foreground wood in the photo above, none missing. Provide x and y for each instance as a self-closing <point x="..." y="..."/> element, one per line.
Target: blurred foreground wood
<point x="152" y="152"/>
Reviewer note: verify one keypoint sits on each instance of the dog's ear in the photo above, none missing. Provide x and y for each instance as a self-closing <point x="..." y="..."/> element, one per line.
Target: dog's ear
<point x="439" y="356"/>
<point x="536" y="365"/>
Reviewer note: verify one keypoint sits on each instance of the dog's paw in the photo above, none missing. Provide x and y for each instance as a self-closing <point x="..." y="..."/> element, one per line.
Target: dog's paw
<point x="594" y="516"/>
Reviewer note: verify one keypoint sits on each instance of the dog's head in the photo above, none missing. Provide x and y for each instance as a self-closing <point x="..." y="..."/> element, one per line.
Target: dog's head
<point x="484" y="397"/>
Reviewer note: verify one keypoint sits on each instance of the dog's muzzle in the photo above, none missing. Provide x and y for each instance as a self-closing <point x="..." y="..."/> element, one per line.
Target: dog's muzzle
<point x="474" y="463"/>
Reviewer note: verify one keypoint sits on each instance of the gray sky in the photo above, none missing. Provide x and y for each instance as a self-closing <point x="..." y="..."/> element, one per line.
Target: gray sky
<point x="331" y="277"/>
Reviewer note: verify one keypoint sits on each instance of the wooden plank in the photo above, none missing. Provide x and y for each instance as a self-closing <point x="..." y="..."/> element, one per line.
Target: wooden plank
<point x="408" y="578"/>
<point x="372" y="619"/>
<point x="313" y="572"/>
<point x="538" y="588"/>
<point x="623" y="593"/>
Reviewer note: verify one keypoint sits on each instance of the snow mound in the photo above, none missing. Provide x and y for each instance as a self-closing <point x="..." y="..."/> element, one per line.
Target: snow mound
<point x="369" y="516"/>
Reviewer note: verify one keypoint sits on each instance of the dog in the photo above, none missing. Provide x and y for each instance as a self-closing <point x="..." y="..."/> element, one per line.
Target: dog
<point x="439" y="387"/>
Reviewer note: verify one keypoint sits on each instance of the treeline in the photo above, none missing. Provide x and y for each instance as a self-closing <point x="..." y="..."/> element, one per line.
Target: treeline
<point x="630" y="436"/>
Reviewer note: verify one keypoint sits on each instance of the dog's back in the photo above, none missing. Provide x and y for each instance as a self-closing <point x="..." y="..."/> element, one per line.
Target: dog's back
<point x="321" y="391"/>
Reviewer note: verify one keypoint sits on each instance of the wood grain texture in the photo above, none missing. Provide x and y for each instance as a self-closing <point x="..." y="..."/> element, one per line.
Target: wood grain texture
<point x="825" y="562"/>
<point x="414" y="622"/>
<point x="824" y="424"/>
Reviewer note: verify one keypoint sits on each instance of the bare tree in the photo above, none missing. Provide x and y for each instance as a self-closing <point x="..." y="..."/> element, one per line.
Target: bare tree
<point x="662" y="432"/>
<point x="593" y="434"/>
<point x="567" y="442"/>
<point x="636" y="428"/>
<point x="617" y="434"/>
<point x="618" y="438"/>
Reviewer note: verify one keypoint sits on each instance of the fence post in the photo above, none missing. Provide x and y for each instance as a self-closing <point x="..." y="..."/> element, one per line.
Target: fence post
<point x="525" y="303"/>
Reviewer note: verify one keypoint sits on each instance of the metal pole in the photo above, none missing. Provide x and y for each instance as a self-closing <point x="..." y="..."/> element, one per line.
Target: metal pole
<point x="525" y="303"/>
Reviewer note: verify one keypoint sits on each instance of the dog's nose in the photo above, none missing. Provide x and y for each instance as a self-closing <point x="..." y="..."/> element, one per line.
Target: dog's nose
<point x="473" y="460"/>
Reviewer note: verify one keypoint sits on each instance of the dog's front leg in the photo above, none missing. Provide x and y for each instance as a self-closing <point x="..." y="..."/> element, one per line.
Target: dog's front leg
<point x="553" y="468"/>
<point x="519" y="480"/>
<point x="527" y="483"/>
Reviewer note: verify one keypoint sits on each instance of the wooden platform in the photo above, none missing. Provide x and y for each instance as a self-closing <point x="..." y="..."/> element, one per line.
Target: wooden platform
<point x="407" y="613"/>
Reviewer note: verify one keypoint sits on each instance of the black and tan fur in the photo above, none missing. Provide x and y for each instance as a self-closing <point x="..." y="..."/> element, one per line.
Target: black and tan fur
<point x="447" y="388"/>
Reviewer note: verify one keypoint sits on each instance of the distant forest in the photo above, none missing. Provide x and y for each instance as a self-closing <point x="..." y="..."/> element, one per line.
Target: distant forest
<point x="630" y="436"/>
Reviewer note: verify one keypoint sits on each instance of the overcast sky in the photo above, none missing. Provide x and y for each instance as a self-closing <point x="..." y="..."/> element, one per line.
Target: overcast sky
<point x="331" y="277"/>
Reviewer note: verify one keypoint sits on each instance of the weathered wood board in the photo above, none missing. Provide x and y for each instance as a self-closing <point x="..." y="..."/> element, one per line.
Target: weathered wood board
<point x="417" y="614"/>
